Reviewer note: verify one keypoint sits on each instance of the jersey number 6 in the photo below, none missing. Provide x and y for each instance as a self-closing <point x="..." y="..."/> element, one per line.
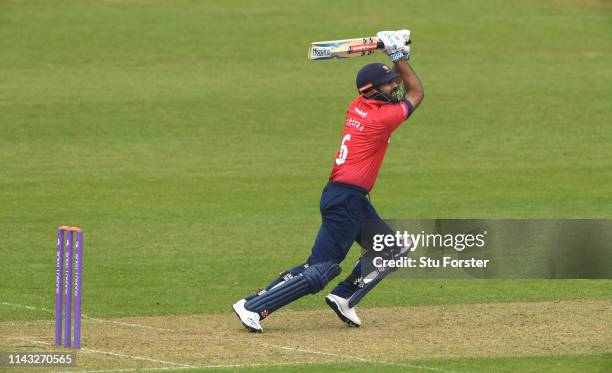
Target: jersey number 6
<point x="343" y="153"/>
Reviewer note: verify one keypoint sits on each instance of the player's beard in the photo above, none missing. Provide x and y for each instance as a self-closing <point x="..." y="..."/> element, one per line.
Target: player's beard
<point x="394" y="96"/>
<point x="398" y="94"/>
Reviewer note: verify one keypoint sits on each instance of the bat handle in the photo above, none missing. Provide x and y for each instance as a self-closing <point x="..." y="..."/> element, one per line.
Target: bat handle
<point x="381" y="45"/>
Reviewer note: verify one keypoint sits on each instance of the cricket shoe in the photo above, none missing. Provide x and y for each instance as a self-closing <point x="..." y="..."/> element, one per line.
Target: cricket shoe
<point x="249" y="319"/>
<point x="342" y="309"/>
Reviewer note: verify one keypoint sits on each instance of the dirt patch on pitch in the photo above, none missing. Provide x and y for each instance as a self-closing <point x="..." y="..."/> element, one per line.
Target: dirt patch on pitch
<point x="398" y="334"/>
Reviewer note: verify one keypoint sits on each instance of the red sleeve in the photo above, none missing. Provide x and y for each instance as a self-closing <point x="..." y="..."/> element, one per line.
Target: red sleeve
<point x="391" y="116"/>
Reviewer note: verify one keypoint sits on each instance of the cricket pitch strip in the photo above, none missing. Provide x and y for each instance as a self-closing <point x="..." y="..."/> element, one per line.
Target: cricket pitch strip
<point x="396" y="336"/>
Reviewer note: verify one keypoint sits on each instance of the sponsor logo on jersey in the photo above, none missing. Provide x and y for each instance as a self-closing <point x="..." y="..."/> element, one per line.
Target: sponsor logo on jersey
<point x="355" y="123"/>
<point x="361" y="113"/>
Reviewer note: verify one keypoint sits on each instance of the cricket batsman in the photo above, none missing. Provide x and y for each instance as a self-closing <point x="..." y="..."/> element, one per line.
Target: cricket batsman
<point x="371" y="119"/>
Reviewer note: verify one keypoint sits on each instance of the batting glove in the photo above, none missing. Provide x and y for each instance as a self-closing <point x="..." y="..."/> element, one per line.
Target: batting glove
<point x="405" y="34"/>
<point x="406" y="52"/>
<point x="394" y="43"/>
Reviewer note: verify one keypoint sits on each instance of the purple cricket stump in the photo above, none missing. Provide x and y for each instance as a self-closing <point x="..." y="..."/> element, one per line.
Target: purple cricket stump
<point x="78" y="263"/>
<point x="68" y="289"/>
<point x="59" y="269"/>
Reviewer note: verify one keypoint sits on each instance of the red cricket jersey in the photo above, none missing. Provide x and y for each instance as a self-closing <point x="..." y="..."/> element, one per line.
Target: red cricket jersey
<point x="367" y="131"/>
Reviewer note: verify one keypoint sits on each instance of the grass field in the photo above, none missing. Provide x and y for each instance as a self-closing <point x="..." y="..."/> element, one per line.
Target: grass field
<point x="191" y="141"/>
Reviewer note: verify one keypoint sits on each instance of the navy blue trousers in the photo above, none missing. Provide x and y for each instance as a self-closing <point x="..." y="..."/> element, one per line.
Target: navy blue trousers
<point x="344" y="208"/>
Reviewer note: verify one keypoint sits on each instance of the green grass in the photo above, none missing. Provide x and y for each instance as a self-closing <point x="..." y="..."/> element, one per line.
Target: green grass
<point x="191" y="140"/>
<point x="597" y="363"/>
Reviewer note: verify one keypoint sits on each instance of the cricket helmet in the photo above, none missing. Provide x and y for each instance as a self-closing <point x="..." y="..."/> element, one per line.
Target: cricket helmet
<point x="373" y="75"/>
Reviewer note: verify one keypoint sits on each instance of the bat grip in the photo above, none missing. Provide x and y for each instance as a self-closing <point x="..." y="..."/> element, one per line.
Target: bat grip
<point x="381" y="45"/>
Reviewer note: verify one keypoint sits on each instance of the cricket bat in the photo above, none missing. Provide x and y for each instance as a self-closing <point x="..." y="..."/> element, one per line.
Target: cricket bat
<point x="347" y="48"/>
